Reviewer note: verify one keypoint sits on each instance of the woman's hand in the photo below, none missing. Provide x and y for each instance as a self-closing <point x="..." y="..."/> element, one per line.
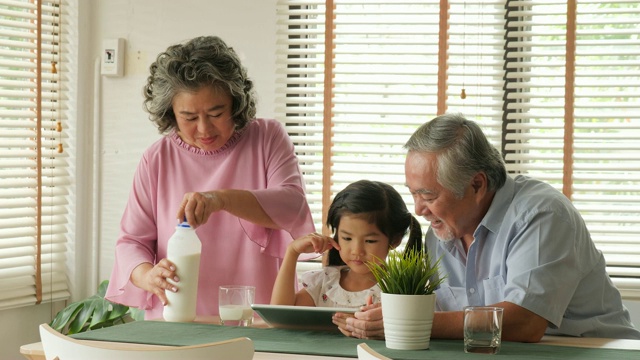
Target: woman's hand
<point x="155" y="279"/>
<point x="363" y="324"/>
<point x="196" y="207"/>
<point x="313" y="243"/>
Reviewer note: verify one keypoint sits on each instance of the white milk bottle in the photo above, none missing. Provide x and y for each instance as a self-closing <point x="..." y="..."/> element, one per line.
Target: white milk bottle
<point x="183" y="250"/>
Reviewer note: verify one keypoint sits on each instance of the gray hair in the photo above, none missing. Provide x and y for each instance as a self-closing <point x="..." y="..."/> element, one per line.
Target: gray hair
<point x="202" y="61"/>
<point x="462" y="151"/>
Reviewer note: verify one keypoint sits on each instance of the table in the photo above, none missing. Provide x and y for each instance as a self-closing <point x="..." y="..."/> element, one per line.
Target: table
<point x="272" y="340"/>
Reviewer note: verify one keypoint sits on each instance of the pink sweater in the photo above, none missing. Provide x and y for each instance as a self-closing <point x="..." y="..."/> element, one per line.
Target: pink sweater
<point x="261" y="158"/>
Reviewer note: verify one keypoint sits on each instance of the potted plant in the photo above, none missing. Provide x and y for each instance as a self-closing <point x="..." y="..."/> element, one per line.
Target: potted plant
<point x="408" y="281"/>
<point x="92" y="313"/>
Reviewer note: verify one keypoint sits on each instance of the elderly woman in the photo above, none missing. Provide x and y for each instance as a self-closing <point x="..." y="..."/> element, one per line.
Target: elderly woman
<point x="234" y="178"/>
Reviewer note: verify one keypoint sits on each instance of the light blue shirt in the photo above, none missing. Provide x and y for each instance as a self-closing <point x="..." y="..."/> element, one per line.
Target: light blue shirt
<point x="533" y="249"/>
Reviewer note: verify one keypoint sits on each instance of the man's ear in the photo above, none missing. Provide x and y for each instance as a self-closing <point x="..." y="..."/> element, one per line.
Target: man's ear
<point x="479" y="182"/>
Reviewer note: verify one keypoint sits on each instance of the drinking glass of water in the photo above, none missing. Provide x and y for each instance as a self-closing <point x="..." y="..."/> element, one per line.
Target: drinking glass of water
<point x="235" y="304"/>
<point x="482" y="329"/>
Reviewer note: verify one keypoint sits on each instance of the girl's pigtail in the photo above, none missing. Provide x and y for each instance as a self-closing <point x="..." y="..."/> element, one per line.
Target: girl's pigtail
<point x="415" y="236"/>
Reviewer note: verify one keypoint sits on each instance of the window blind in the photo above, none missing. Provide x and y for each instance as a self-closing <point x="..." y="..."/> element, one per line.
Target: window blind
<point x="554" y="84"/>
<point x="300" y="89"/>
<point x="574" y="121"/>
<point x="381" y="88"/>
<point x="34" y="166"/>
<point x="475" y="52"/>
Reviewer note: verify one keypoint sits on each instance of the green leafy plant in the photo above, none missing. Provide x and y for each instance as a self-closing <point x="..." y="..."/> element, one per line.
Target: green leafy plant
<point x="93" y="313"/>
<point x="408" y="273"/>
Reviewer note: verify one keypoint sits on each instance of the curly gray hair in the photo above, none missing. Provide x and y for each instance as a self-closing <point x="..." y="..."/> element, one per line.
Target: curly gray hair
<point x="202" y="61"/>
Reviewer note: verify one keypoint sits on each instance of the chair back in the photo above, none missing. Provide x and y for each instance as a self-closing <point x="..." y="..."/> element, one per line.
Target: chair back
<point x="367" y="353"/>
<point x="61" y="347"/>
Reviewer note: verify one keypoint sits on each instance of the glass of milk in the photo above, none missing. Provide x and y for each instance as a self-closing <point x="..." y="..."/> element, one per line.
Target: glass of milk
<point x="235" y="304"/>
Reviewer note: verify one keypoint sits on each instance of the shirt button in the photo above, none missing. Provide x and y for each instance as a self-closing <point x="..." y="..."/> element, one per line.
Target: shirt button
<point x="472" y="290"/>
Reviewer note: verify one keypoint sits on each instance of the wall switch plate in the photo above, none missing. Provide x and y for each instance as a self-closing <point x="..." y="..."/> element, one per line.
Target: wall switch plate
<point x="112" y="57"/>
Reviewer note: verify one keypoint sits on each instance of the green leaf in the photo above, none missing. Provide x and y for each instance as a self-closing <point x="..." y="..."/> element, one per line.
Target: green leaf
<point x="82" y="318"/>
<point x="136" y="314"/>
<point x="410" y="273"/>
<point x="66" y="315"/>
<point x="117" y="311"/>
<point x="100" y="314"/>
<point x="92" y="313"/>
<point x="102" y="288"/>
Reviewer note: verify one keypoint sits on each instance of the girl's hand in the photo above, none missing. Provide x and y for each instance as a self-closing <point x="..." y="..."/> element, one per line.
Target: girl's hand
<point x="313" y="243"/>
<point x="155" y="279"/>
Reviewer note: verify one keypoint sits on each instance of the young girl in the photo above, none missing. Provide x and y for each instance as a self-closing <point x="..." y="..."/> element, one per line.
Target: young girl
<point x="368" y="219"/>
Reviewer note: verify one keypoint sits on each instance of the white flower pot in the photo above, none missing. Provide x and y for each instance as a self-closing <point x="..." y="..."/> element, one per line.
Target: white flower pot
<point x="407" y="320"/>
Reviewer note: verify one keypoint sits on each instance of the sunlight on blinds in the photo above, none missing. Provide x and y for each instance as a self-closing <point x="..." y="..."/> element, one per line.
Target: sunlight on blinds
<point x="382" y="87"/>
<point x="605" y="172"/>
<point x="554" y="84"/>
<point x="33" y="215"/>
<point x="475" y="63"/>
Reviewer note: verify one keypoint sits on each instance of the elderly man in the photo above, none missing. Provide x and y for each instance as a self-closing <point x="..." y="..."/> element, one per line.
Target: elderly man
<point x="516" y="243"/>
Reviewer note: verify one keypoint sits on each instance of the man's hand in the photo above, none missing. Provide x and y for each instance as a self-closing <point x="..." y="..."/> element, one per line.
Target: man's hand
<point x="363" y="324"/>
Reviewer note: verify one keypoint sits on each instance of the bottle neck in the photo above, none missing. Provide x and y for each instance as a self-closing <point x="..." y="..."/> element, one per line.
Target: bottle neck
<point x="184" y="225"/>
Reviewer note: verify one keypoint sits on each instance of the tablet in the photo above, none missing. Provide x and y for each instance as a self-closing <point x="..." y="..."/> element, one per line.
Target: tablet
<point x="300" y="317"/>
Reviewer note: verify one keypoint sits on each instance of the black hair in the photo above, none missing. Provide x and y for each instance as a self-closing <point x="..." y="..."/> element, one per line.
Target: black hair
<point x="379" y="204"/>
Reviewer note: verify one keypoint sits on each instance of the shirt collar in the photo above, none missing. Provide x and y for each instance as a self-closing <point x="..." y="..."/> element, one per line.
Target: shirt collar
<point x="492" y="220"/>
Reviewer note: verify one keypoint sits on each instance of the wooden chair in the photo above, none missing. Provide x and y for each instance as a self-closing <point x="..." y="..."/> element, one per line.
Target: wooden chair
<point x="367" y="353"/>
<point x="61" y="347"/>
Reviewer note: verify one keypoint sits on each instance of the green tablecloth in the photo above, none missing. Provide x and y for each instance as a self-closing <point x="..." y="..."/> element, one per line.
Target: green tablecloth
<point x="328" y="344"/>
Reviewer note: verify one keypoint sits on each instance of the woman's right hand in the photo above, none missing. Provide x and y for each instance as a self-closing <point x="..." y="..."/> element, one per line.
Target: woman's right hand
<point x="313" y="242"/>
<point x="154" y="278"/>
<point x="196" y="207"/>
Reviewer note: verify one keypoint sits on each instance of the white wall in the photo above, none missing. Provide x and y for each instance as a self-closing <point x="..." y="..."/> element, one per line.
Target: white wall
<point x="148" y="26"/>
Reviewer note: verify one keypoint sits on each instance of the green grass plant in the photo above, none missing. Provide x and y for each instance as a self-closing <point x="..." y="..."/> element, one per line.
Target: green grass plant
<point x="409" y="273"/>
